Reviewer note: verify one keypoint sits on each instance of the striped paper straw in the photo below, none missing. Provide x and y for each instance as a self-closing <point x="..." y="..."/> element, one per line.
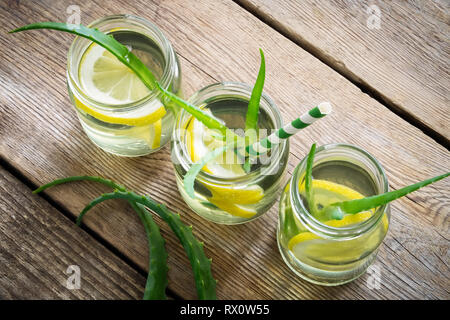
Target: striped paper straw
<point x="290" y="129"/>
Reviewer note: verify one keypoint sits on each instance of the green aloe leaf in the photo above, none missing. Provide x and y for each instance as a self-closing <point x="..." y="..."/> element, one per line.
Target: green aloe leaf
<point x="205" y="118"/>
<point x="338" y="209"/>
<point x="308" y="178"/>
<point x="131" y="61"/>
<point x="104" y="40"/>
<point x="201" y="265"/>
<point x="251" y="118"/>
<point x="155" y="287"/>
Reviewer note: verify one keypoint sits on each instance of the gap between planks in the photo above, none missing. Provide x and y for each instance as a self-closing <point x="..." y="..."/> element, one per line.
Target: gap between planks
<point x="19" y="176"/>
<point x="347" y="74"/>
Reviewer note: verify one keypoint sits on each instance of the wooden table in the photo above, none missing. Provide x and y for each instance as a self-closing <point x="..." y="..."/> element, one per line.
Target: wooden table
<point x="390" y="91"/>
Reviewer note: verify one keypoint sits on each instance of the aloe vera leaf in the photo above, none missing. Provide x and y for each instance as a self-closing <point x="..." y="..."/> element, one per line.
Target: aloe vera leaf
<point x="107" y="182"/>
<point x="364" y="204"/>
<point x="201" y="265"/>
<point x="131" y="61"/>
<point x="251" y="119"/>
<point x="155" y="287"/>
<point x="308" y="178"/>
<point x="156" y="284"/>
<point x="189" y="177"/>
<point x="104" y="40"/>
<point x="208" y="120"/>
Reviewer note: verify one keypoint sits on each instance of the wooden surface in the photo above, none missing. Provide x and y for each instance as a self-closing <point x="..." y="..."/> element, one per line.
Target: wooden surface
<point x="404" y="61"/>
<point x="38" y="244"/>
<point x="40" y="137"/>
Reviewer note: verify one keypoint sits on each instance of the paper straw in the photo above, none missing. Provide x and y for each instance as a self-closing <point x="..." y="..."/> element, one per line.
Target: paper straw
<point x="290" y="129"/>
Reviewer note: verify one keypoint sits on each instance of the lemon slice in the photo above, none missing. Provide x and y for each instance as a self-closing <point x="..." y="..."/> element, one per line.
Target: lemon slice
<point x="346" y="221"/>
<point x="151" y="134"/>
<point x="104" y="78"/>
<point x="157" y="135"/>
<point x="236" y="201"/>
<point x="308" y="243"/>
<point x="331" y="192"/>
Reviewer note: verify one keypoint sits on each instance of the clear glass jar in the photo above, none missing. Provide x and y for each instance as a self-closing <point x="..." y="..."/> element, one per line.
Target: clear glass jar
<point x="325" y="252"/>
<point x="119" y="137"/>
<point x="227" y="200"/>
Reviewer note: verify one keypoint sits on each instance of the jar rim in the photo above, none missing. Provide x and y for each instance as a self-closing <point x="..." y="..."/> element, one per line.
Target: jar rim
<point x="159" y="38"/>
<point x="231" y="89"/>
<point x="321" y="229"/>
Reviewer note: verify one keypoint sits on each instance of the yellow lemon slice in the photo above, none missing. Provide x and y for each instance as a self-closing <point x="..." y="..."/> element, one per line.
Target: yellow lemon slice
<point x="151" y="134"/>
<point x="104" y="78"/>
<point x="236" y="201"/>
<point x="312" y="245"/>
<point x="346" y="221"/>
<point x="335" y="190"/>
<point x="157" y="135"/>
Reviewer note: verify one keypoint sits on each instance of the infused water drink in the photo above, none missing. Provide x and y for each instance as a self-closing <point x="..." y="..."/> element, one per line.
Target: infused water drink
<point x="116" y="110"/>
<point x="224" y="192"/>
<point x="322" y="250"/>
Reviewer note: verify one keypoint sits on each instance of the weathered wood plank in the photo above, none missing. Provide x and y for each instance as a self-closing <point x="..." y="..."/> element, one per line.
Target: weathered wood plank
<point x="38" y="244"/>
<point x="41" y="137"/>
<point x="405" y="61"/>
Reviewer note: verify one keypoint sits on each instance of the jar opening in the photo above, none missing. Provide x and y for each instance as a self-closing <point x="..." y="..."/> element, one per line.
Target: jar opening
<point x="121" y="23"/>
<point x="222" y="93"/>
<point x="351" y="167"/>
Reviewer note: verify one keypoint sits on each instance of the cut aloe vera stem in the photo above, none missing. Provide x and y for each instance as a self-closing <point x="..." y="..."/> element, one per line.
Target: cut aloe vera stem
<point x="131" y="61"/>
<point x="264" y="145"/>
<point x="338" y="209"/>
<point x="155" y="287"/>
<point x="201" y="265"/>
<point x="308" y="178"/>
<point x="251" y="118"/>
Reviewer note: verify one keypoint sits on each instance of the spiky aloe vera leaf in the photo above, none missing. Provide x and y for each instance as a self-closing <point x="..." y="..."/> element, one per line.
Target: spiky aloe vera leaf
<point x="155" y="287"/>
<point x="125" y="56"/>
<point x="308" y="178"/>
<point x="251" y="118"/>
<point x="106" y="41"/>
<point x="367" y="203"/>
<point x="107" y="182"/>
<point x="201" y="265"/>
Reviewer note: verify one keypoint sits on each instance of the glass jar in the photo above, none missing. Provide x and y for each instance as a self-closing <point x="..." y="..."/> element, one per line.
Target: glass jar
<point x="107" y="123"/>
<point x="222" y="199"/>
<point x="333" y="252"/>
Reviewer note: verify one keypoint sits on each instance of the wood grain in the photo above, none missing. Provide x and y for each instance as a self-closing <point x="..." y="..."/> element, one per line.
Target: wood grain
<point x="38" y="244"/>
<point x="218" y="40"/>
<point x="405" y="61"/>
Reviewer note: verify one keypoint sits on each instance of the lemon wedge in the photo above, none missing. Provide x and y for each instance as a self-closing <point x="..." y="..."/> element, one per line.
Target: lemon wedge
<point x="237" y="201"/>
<point x="104" y="78"/>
